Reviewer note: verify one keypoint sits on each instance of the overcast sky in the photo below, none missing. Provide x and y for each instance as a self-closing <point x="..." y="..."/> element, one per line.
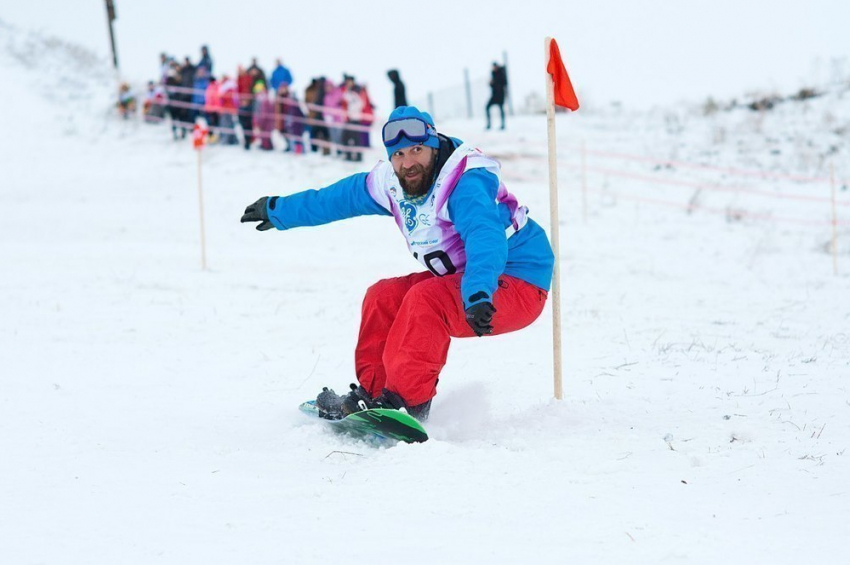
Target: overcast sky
<point x="636" y="51"/>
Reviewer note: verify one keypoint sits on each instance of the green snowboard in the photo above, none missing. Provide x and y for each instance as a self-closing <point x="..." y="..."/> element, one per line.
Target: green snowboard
<point x="380" y="424"/>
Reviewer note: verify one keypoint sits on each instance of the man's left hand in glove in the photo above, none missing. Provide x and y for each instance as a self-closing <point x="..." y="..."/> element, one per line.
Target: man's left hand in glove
<point x="259" y="212"/>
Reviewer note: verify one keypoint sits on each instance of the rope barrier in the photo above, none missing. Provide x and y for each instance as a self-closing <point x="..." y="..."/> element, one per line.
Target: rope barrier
<point x="714" y="187"/>
<point x="710" y="209"/>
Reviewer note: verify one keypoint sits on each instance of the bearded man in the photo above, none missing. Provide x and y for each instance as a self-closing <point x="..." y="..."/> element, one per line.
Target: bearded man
<point x="489" y="265"/>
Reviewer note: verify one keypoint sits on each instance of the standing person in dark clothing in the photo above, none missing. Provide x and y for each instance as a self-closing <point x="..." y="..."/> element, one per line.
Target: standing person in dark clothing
<point x="206" y="60"/>
<point x="175" y="110"/>
<point x="314" y="96"/>
<point x="398" y="92"/>
<point x="245" y="86"/>
<point x="498" y="86"/>
<point x="187" y="82"/>
<point x="256" y="73"/>
<point x="187" y="73"/>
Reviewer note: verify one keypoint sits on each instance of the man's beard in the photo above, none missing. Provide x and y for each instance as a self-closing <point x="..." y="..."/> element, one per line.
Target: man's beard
<point x="420" y="186"/>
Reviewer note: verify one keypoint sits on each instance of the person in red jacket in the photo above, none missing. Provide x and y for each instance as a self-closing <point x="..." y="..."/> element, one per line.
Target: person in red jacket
<point x="245" y="84"/>
<point x="359" y="115"/>
<point x="228" y="92"/>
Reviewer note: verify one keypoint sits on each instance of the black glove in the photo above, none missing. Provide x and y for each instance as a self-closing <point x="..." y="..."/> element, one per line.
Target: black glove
<point x="257" y="212"/>
<point x="480" y="317"/>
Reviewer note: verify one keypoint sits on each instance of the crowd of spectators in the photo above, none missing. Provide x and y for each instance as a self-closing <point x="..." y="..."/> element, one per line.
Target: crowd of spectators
<point x="249" y="106"/>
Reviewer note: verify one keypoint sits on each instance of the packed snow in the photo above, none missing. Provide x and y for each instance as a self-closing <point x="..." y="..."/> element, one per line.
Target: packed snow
<point x="148" y="408"/>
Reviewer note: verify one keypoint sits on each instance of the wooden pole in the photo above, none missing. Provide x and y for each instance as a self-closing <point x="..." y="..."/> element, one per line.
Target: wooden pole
<point x="201" y="208"/>
<point x="583" y="182"/>
<point x="834" y="221"/>
<point x="111" y="17"/>
<point x="555" y="234"/>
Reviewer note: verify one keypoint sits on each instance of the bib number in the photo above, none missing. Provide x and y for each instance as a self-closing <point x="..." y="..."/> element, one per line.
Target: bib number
<point x="443" y="266"/>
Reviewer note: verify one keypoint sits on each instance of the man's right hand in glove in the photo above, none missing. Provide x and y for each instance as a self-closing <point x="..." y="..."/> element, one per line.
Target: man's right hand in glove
<point x="259" y="212"/>
<point x="480" y="318"/>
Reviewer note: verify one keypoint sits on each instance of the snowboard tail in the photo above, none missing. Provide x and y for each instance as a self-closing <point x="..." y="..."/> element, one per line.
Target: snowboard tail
<point x="381" y="424"/>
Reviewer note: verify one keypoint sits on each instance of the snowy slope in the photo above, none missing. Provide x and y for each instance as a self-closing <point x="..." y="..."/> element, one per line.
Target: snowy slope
<point x="148" y="408"/>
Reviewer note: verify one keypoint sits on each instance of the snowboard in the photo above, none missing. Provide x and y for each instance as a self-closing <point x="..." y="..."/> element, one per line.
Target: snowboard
<point x="380" y="425"/>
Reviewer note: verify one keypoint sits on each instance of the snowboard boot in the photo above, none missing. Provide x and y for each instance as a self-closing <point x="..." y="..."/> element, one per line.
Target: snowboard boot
<point x="329" y="404"/>
<point x="389" y="400"/>
<point x="335" y="407"/>
<point x="358" y="400"/>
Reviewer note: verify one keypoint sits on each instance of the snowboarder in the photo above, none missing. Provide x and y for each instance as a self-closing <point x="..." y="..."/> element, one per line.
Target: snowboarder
<point x="489" y="265"/>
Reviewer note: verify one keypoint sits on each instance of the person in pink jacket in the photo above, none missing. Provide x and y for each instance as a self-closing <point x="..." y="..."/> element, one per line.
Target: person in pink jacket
<point x="334" y="114"/>
<point x="212" y="107"/>
<point x="264" y="116"/>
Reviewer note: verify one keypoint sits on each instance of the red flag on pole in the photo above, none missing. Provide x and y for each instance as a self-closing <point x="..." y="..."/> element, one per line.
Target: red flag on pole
<point x="199" y="136"/>
<point x="565" y="96"/>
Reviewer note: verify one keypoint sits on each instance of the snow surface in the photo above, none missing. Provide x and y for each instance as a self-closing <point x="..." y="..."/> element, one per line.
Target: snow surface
<point x="148" y="409"/>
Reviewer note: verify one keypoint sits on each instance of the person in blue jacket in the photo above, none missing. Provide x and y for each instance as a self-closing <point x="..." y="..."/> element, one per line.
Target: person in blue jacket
<point x="280" y="75"/>
<point x="488" y="264"/>
<point x="199" y="92"/>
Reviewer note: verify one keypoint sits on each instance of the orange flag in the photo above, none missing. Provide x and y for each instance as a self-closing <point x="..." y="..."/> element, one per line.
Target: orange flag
<point x="565" y="96"/>
<point x="199" y="136"/>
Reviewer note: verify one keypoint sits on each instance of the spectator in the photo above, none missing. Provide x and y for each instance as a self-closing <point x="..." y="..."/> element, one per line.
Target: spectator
<point x="358" y="109"/>
<point x="126" y="101"/>
<point x="175" y="108"/>
<point x="229" y="96"/>
<point x="498" y="85"/>
<point x="153" y="107"/>
<point x="206" y="60"/>
<point x="212" y="108"/>
<point x="256" y="73"/>
<point x="245" y="84"/>
<point x="398" y="91"/>
<point x="334" y="114"/>
<point x="314" y="96"/>
<point x="187" y="83"/>
<point x="164" y="67"/>
<point x="187" y="73"/>
<point x="280" y="76"/>
<point x="264" y="115"/>
<point x="292" y="120"/>
<point x="202" y="80"/>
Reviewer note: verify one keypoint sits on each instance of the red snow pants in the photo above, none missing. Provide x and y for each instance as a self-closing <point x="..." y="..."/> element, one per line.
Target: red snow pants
<point x="408" y="322"/>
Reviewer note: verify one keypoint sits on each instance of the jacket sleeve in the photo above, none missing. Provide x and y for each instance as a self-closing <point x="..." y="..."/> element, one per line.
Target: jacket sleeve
<point x="475" y="213"/>
<point x="344" y="199"/>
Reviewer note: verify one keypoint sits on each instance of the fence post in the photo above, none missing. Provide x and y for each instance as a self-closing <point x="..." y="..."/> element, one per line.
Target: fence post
<point x="508" y="88"/>
<point x="834" y="220"/>
<point x="201" y="209"/>
<point x="583" y="181"/>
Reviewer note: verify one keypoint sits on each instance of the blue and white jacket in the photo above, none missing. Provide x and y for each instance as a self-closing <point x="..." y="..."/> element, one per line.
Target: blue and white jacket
<point x="468" y="222"/>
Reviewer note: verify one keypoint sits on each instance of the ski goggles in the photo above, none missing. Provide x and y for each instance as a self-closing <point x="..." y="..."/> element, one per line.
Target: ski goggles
<point x="414" y="129"/>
